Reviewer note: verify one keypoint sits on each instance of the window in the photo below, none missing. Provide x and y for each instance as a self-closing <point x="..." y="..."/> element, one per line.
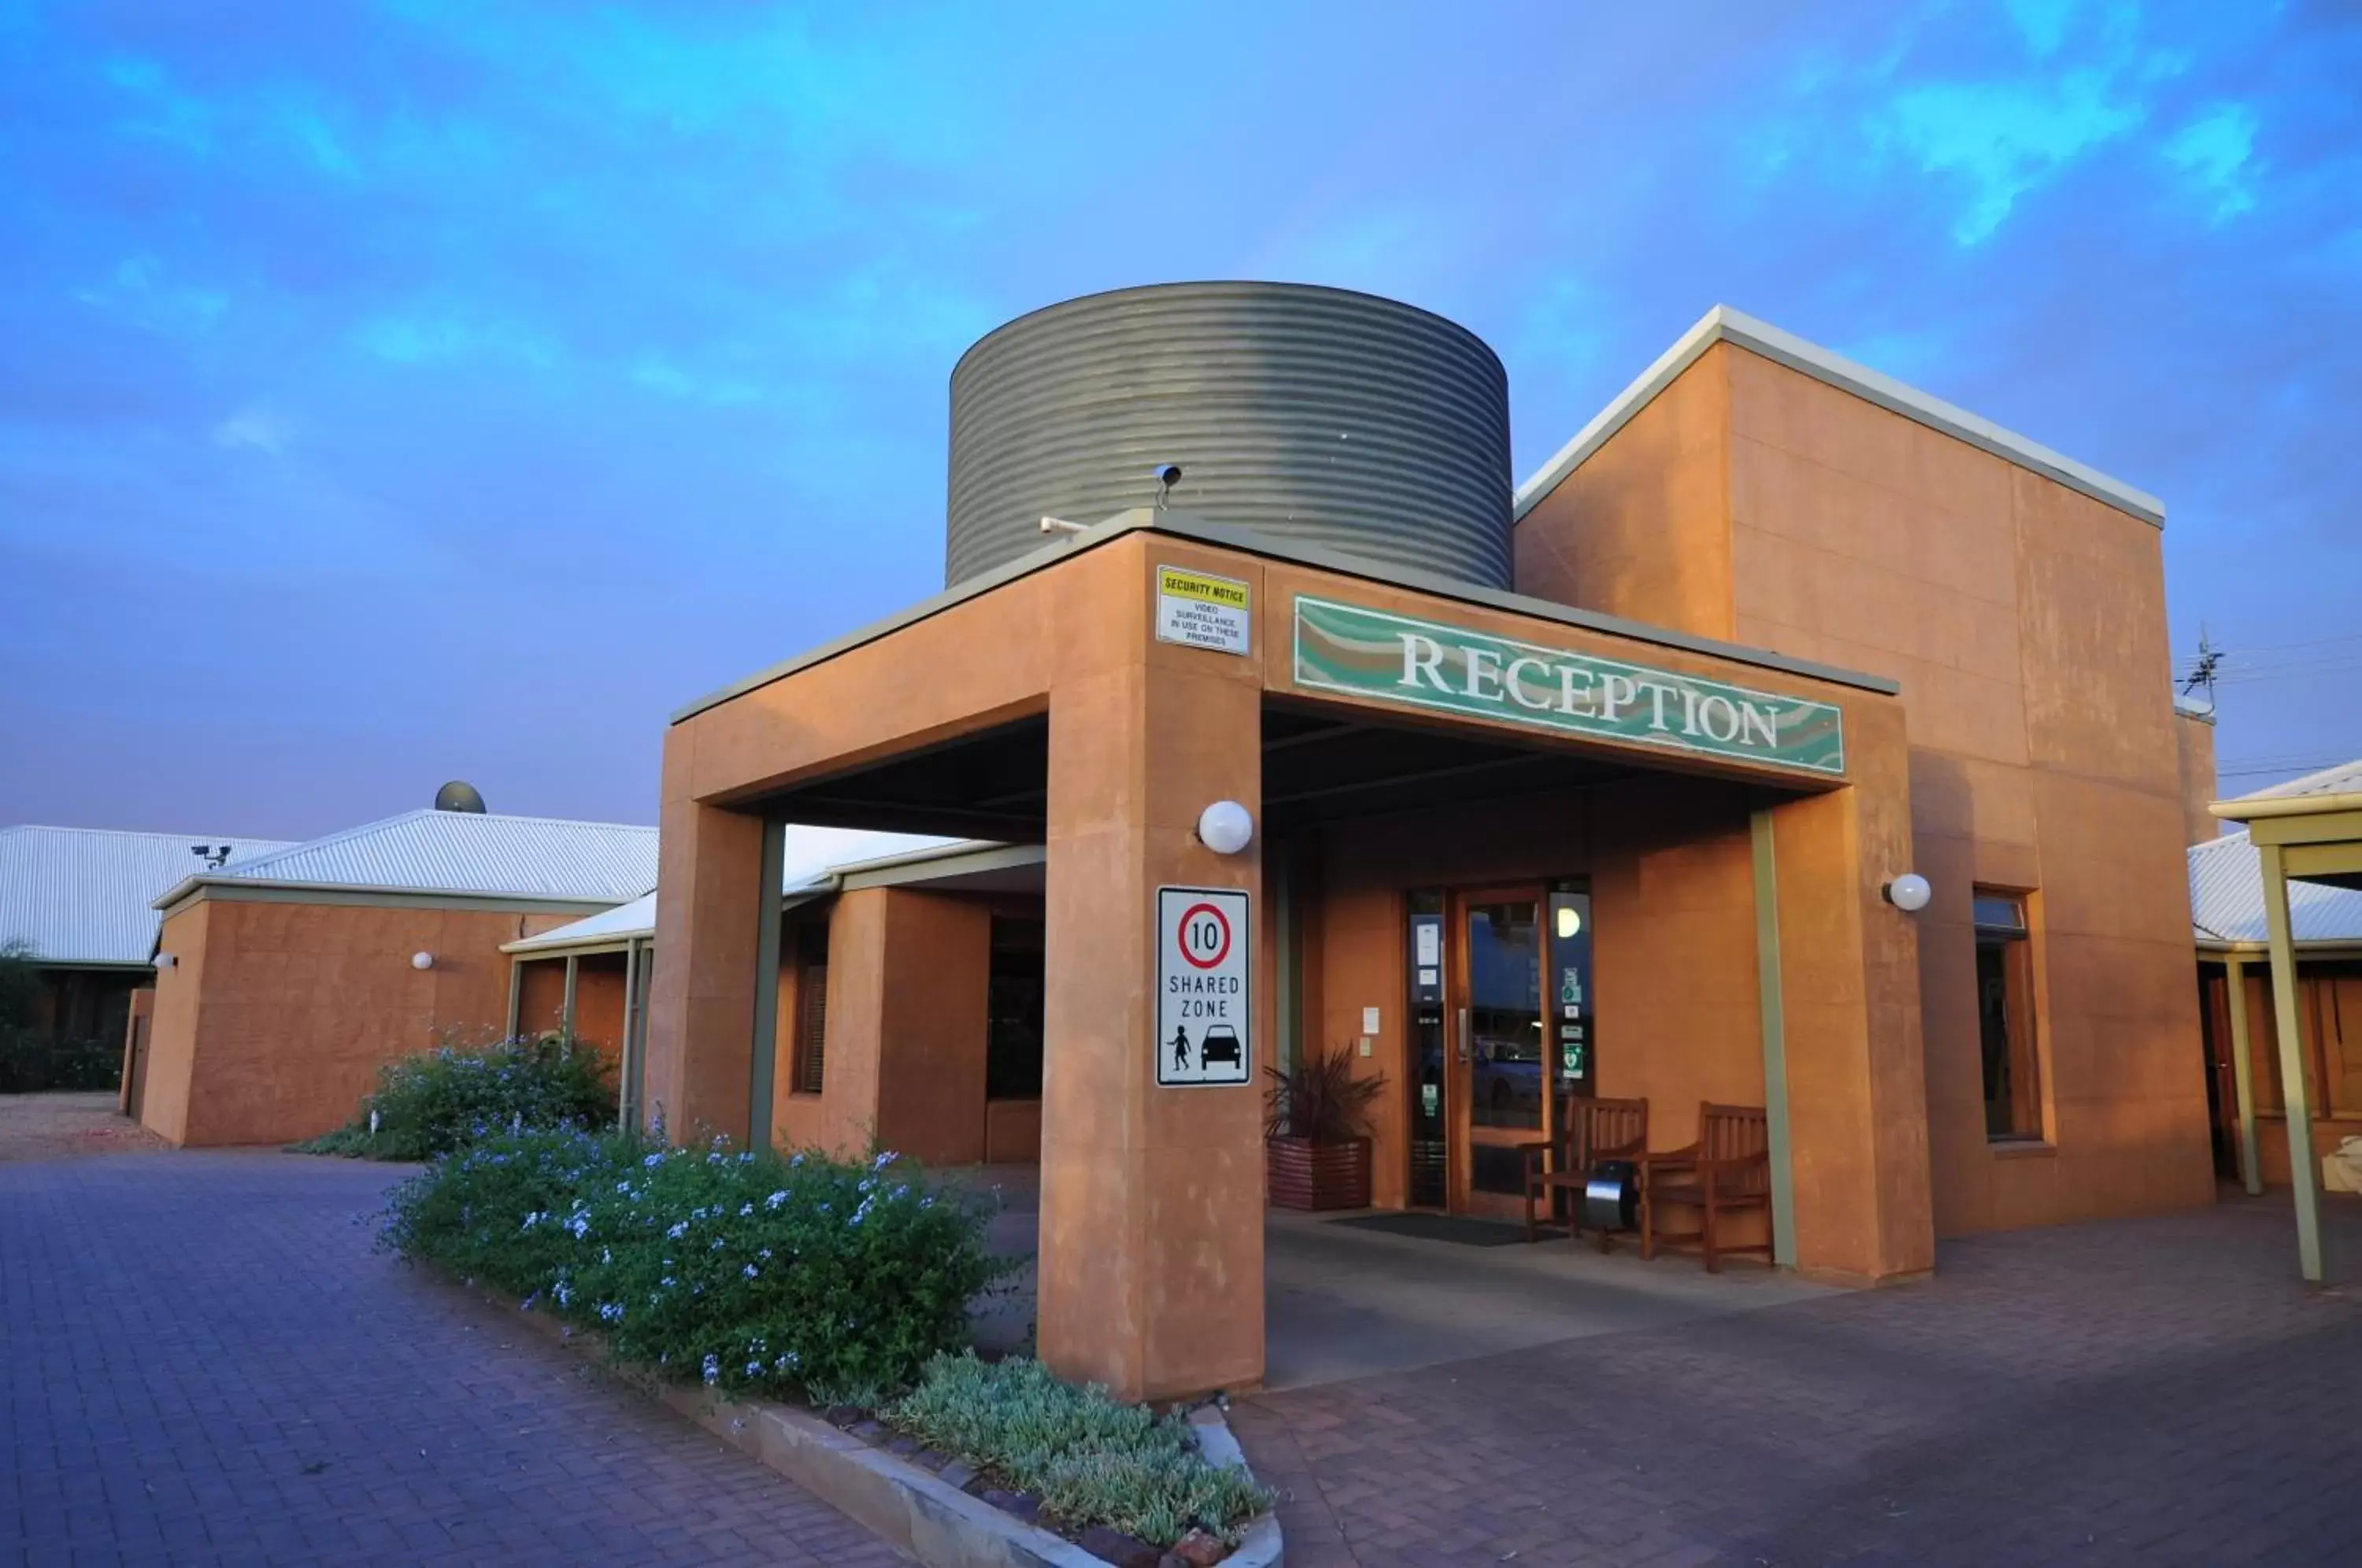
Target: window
<point x="1012" y="1047"/>
<point x="812" y="1007"/>
<point x="2005" y="1017"/>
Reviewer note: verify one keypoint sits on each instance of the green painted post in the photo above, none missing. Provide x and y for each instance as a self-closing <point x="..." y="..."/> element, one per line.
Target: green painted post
<point x="2296" y="1093"/>
<point x="1775" y="1042"/>
<point x="626" y="1102"/>
<point x="766" y="987"/>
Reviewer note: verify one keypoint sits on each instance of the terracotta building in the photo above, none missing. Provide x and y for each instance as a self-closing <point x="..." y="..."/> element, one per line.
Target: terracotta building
<point x="285" y="981"/>
<point x="1621" y="783"/>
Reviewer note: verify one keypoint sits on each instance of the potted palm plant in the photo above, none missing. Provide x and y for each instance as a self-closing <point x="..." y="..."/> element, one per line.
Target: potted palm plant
<point x="1315" y="1131"/>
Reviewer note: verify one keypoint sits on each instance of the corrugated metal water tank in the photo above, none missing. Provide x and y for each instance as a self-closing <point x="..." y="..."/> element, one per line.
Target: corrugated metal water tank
<point x="1317" y="416"/>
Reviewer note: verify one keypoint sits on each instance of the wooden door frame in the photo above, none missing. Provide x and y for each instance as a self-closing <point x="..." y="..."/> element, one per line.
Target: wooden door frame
<point x="1458" y="1054"/>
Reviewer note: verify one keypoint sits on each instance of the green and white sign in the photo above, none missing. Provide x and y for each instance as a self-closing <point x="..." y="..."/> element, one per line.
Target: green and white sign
<point x="1427" y="664"/>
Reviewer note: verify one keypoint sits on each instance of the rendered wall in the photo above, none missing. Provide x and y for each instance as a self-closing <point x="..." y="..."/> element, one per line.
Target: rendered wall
<point x="279" y="1015"/>
<point x="2025" y="622"/>
<point x="2200" y="787"/>
<point x="907" y="980"/>
<point x="541" y="995"/>
<point x="173" y="1035"/>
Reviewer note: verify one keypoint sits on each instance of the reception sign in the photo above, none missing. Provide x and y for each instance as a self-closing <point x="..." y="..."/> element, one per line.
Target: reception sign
<point x="1428" y="664"/>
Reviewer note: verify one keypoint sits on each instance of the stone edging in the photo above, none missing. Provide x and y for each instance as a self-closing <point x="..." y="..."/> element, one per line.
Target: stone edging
<point x="926" y="1516"/>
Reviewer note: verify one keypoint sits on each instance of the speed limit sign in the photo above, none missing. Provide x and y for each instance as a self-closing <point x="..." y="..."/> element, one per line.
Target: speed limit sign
<point x="1205" y="1006"/>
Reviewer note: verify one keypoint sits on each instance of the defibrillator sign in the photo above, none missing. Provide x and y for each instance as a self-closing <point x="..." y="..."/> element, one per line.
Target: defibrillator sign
<point x="1205" y="1005"/>
<point x="1201" y="611"/>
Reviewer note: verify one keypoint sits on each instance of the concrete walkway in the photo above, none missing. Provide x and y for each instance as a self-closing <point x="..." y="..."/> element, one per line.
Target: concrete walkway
<point x="2160" y="1391"/>
<point x="202" y="1361"/>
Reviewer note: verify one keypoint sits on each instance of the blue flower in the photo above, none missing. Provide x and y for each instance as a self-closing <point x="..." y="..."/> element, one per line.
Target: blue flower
<point x="775" y="1200"/>
<point x="680" y="1229"/>
<point x="712" y="1369"/>
<point x="653" y="1161"/>
<point x="752" y="1273"/>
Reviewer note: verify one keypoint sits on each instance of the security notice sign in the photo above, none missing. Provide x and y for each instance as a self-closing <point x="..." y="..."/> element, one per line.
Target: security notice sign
<point x="1201" y="611"/>
<point x="1204" y="1003"/>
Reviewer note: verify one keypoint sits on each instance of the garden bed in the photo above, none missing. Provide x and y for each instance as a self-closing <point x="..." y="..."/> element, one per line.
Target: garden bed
<point x="732" y="1279"/>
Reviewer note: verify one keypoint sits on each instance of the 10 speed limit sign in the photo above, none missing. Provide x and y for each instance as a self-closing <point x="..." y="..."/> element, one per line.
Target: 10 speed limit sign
<point x="1204" y="1003"/>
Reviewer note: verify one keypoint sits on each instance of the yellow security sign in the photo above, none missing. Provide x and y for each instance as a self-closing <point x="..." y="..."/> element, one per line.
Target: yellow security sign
<point x="1202" y="612"/>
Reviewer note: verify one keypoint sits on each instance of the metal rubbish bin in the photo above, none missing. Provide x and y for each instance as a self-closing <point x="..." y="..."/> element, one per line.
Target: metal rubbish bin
<point x="1611" y="1198"/>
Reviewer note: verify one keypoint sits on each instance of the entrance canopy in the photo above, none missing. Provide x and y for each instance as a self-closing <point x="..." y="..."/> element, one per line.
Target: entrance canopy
<point x="1095" y="698"/>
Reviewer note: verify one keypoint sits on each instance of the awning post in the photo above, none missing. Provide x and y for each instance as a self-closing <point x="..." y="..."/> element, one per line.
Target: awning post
<point x="2304" y="1168"/>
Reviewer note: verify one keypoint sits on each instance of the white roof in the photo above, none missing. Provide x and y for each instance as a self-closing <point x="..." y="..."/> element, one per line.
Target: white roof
<point x="1722" y="323"/>
<point x="812" y="859"/>
<point x="87" y="895"/>
<point x="622" y="923"/>
<point x="2226" y="898"/>
<point x="460" y="852"/>
<point x="2346" y="779"/>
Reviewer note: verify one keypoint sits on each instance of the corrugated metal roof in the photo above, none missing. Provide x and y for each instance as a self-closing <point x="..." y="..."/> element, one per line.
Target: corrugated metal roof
<point x="2346" y="779"/>
<point x="466" y="852"/>
<point x="87" y="895"/>
<point x="810" y="856"/>
<point x="621" y="923"/>
<point x="2226" y="898"/>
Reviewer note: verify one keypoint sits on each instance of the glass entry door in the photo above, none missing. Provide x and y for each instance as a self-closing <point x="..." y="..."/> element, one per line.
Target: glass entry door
<point x="1500" y="1070"/>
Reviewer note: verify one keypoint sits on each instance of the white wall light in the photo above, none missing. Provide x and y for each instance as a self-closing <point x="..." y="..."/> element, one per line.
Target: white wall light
<point x="1570" y="921"/>
<point x="1908" y="892"/>
<point x="1224" y="827"/>
<point x="167" y="961"/>
<point x="422" y="960"/>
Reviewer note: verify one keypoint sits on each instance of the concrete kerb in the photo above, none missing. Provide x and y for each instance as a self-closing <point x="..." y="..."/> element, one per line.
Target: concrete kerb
<point x="903" y="1504"/>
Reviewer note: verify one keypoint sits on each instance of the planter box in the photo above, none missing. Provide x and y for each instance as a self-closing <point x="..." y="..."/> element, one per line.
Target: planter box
<point x="1305" y="1175"/>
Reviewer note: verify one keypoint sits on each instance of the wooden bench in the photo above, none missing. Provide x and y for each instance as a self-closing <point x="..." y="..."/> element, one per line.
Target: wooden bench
<point x="1592" y="1130"/>
<point x="1727" y="1170"/>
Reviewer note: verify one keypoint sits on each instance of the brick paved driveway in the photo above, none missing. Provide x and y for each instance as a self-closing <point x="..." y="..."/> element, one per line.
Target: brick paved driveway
<point x="203" y="1362"/>
<point x="2156" y="1391"/>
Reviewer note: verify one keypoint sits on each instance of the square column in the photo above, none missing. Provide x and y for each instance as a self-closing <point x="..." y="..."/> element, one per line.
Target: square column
<point x="1151" y="1248"/>
<point x="1848" y="993"/>
<point x="702" y="997"/>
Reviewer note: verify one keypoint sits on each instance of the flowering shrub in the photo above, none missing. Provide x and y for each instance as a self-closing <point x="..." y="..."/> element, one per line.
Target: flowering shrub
<point x="751" y="1272"/>
<point x="1090" y="1459"/>
<point x="450" y="1097"/>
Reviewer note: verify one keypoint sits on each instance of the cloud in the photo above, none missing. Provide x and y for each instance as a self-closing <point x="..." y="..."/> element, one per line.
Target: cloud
<point x="256" y="429"/>
<point x="2001" y="140"/>
<point x="2211" y="152"/>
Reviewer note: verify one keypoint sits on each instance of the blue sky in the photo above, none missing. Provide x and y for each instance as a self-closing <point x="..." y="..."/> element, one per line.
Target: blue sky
<point x="423" y="390"/>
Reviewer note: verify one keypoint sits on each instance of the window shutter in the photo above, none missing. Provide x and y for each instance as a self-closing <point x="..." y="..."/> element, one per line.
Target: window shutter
<point x="811" y="1028"/>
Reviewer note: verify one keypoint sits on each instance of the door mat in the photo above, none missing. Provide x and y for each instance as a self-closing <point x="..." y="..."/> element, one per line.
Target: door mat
<point x="1456" y="1228"/>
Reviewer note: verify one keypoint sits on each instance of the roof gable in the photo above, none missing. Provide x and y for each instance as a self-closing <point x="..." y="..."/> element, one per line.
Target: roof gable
<point x="1723" y="324"/>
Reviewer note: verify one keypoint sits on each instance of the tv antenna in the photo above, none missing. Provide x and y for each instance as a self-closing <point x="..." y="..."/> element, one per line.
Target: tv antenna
<point x="2210" y="659"/>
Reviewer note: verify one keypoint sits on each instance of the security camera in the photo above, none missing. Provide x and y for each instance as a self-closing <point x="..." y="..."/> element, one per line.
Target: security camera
<point x="1168" y="474"/>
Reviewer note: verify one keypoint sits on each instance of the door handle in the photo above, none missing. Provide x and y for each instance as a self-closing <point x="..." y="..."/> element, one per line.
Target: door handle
<point x="1467" y="1050"/>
